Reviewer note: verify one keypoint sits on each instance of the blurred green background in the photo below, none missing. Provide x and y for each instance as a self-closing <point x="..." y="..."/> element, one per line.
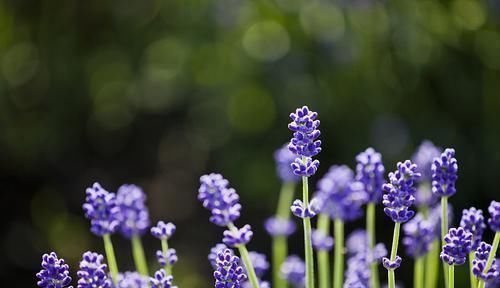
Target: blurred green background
<point x="159" y="92"/>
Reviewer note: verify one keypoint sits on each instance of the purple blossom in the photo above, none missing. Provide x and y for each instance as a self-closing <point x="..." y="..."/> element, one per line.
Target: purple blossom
<point x="321" y="241"/>
<point x="259" y="263"/>
<point x="305" y="166"/>
<point x="370" y="172"/>
<point x="169" y="258"/>
<point x="392" y="265"/>
<point x="238" y="237"/>
<point x="473" y="222"/>
<point x="54" y="273"/>
<point x="357" y="243"/>
<point x="101" y="209"/>
<point x="400" y="192"/>
<point x="298" y="209"/>
<point x="214" y="251"/>
<point x="495" y="283"/>
<point x="163" y="231"/>
<point x="216" y="196"/>
<point x="419" y="235"/>
<point x="494" y="221"/>
<point x="293" y="270"/>
<point x="134" y="215"/>
<point x="284" y="159"/>
<point x="339" y="195"/>
<point x="161" y="280"/>
<point x="457" y="245"/>
<point x="423" y="158"/>
<point x="132" y="280"/>
<point x="444" y="174"/>
<point x="92" y="273"/>
<point x="276" y="226"/>
<point x="479" y="263"/>
<point x="229" y="273"/>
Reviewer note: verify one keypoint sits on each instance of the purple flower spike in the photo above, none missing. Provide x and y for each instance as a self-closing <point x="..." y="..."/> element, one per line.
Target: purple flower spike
<point x="444" y="174"/>
<point x="473" y="222"/>
<point x="214" y="251"/>
<point x="495" y="282"/>
<point x="419" y="235"/>
<point x="392" y="265"/>
<point x="170" y="258"/>
<point x="284" y="159"/>
<point x="321" y="241"/>
<point x="92" y="273"/>
<point x="400" y="192"/>
<point x="134" y="215"/>
<point x="370" y="172"/>
<point x="238" y="237"/>
<point x="101" y="209"/>
<point x="479" y="263"/>
<point x="229" y="273"/>
<point x="293" y="270"/>
<point x="132" y="280"/>
<point x="259" y="263"/>
<point x="305" y="137"/>
<point x="54" y="273"/>
<point x="305" y="166"/>
<point x="494" y="221"/>
<point x="458" y="245"/>
<point x="300" y="211"/>
<point x="163" y="231"/>
<point x="219" y="198"/>
<point x="161" y="280"/>
<point x="423" y="158"/>
<point x="276" y="226"/>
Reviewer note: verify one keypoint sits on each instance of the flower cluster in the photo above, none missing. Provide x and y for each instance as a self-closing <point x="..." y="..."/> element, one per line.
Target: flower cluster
<point x="300" y="210"/>
<point x="400" y="192"/>
<point x="494" y="221"/>
<point x="419" y="234"/>
<point x="473" y="222"/>
<point x="214" y="252"/>
<point x="458" y="245"/>
<point x="423" y="158"/>
<point x="169" y="258"/>
<point x="161" y="280"/>
<point x="132" y="280"/>
<point x="276" y="226"/>
<point x="305" y="143"/>
<point x="54" y="273"/>
<point x="229" y="273"/>
<point x="216" y="196"/>
<point x="370" y="172"/>
<point x="479" y="263"/>
<point x="92" y="273"/>
<point x="134" y="215"/>
<point x="101" y="209"/>
<point x="293" y="270"/>
<point x="237" y="237"/>
<point x="321" y="241"/>
<point x="284" y="159"/>
<point x="444" y="174"/>
<point x="163" y="231"/>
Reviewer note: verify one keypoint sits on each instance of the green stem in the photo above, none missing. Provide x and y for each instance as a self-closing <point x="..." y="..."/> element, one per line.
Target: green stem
<point x="308" y="250"/>
<point x="370" y="228"/>
<point x="252" y="277"/>
<point x="394" y="251"/>
<point x="473" y="280"/>
<point x="432" y="265"/>
<point x="338" y="261"/>
<point x="491" y="256"/>
<point x="451" y="276"/>
<point x="285" y="200"/>
<point x="138" y="254"/>
<point x="323" y="261"/>
<point x="164" y="248"/>
<point x="110" y="255"/>
<point x="418" y="274"/>
<point x="444" y="230"/>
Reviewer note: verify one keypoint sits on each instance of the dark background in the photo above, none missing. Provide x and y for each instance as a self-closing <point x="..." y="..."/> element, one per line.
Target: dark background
<point x="159" y="92"/>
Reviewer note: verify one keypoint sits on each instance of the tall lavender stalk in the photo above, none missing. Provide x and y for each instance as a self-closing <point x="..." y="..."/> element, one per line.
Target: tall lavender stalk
<point x="166" y="257"/>
<point x="494" y="222"/>
<point x="457" y="244"/>
<point x="305" y="145"/>
<point x="473" y="222"/>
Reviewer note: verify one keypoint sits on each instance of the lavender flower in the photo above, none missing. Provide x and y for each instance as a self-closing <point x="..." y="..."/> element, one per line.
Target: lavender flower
<point x="134" y="215"/>
<point x="305" y="143"/>
<point x="259" y="263"/>
<point x="229" y="273"/>
<point x="358" y="273"/>
<point x="161" y="280"/>
<point x="132" y="280"/>
<point x="214" y="251"/>
<point x="169" y="258"/>
<point x="92" y="273"/>
<point x="473" y="222"/>
<point x="392" y="265"/>
<point x="54" y="273"/>
<point x="479" y="263"/>
<point x="276" y="226"/>
<point x="298" y="209"/>
<point x="494" y="220"/>
<point x="101" y="209"/>
<point x="400" y="192"/>
<point x="339" y="195"/>
<point x="284" y="159"/>
<point x="423" y="158"/>
<point x="321" y="241"/>
<point x="444" y="174"/>
<point x="163" y="231"/>
<point x="219" y="198"/>
<point x="356" y="242"/>
<point x="495" y="283"/>
<point x="458" y="245"/>
<point x="293" y="270"/>
<point x="238" y="237"/>
<point x="370" y="172"/>
<point x="419" y="235"/>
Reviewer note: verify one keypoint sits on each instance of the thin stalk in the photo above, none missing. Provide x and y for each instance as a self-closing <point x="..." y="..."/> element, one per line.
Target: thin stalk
<point x="473" y="280"/>
<point x="285" y="200"/>
<point x="432" y="265"/>
<point x="491" y="256"/>
<point x="110" y="256"/>
<point x="308" y="250"/>
<point x="252" y="277"/>
<point x="418" y="273"/>
<point x="138" y="254"/>
<point x="444" y="230"/>
<point x="338" y="261"/>
<point x="370" y="228"/>
<point x="164" y="249"/>
<point x="451" y="276"/>
<point x="394" y="251"/>
<point x="323" y="261"/>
